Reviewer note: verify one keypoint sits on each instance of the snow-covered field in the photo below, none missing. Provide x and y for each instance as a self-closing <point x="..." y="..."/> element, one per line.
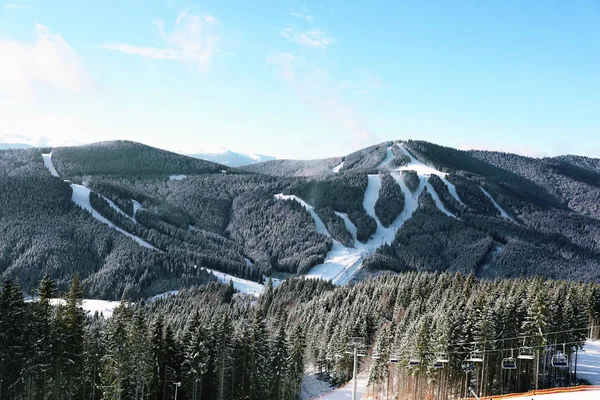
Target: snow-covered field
<point x="90" y="306"/>
<point x="177" y="177"/>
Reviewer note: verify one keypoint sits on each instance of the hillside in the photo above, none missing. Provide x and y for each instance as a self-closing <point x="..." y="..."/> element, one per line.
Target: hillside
<point x="137" y="220"/>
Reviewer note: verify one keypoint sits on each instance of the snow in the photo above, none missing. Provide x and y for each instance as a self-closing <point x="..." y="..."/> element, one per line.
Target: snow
<point x="588" y="362"/>
<point x="320" y="225"/>
<point x="136" y="206"/>
<point x="389" y="156"/>
<point x="241" y="285"/>
<point x="503" y="213"/>
<point x="349" y="224"/>
<point x="345" y="392"/>
<point x="164" y="295"/>
<point x="90" y="306"/>
<point x="48" y="164"/>
<point x="81" y="197"/>
<point x="436" y="198"/>
<point x="177" y="177"/>
<point x="337" y="168"/>
<point x="426" y="171"/>
<point x="313" y="387"/>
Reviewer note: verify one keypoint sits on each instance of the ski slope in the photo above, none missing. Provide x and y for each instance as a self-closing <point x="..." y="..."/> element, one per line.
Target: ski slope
<point x="81" y="197"/>
<point x="503" y="213"/>
<point x="389" y="156"/>
<point x="345" y="392"/>
<point x="241" y="285"/>
<point x="90" y="306"/>
<point x="48" y="164"/>
<point x="588" y="363"/>
<point x="337" y="168"/>
<point x="177" y="177"/>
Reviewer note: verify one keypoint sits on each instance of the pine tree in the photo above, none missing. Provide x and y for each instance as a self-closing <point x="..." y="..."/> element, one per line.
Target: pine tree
<point x="296" y="364"/>
<point x="278" y="365"/>
<point x="259" y="362"/>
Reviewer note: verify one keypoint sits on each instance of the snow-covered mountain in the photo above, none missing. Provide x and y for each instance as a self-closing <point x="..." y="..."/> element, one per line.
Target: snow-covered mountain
<point x="232" y="158"/>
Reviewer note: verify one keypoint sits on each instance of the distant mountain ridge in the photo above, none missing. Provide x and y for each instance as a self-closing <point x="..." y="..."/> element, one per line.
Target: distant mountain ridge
<point x="232" y="158"/>
<point x="6" y="146"/>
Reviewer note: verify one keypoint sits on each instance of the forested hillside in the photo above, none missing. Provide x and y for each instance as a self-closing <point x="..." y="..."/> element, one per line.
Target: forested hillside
<point x="136" y="220"/>
<point x="220" y="344"/>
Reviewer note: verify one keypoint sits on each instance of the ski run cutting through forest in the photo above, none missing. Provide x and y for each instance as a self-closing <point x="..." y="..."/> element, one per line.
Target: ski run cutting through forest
<point x="81" y="197"/>
<point x="342" y="262"/>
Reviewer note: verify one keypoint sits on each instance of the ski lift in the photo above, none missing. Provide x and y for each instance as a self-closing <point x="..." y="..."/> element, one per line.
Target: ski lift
<point x="442" y="358"/>
<point x="509" y="362"/>
<point x="476" y="356"/>
<point x="525" y="353"/>
<point x="394" y="359"/>
<point x="414" y="362"/>
<point x="467" y="366"/>
<point x="438" y="365"/>
<point x="560" y="360"/>
<point x="376" y="356"/>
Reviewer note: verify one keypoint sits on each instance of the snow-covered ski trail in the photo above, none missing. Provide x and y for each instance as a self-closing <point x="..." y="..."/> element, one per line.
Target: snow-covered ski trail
<point x="503" y="213"/>
<point x="337" y="168"/>
<point x="320" y="225"/>
<point x="426" y="171"/>
<point x="81" y="197"/>
<point x="345" y="392"/>
<point x="240" y="284"/>
<point x="48" y="164"/>
<point x="389" y="156"/>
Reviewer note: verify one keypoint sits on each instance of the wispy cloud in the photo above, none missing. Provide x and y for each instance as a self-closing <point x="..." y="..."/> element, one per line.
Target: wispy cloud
<point x="193" y="39"/>
<point x="49" y="60"/>
<point x="316" y="87"/>
<point x="302" y="13"/>
<point x="18" y="6"/>
<point x="315" y="38"/>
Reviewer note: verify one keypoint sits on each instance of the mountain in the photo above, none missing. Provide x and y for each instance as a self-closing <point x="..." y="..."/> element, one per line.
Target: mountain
<point x="135" y="220"/>
<point x="232" y="158"/>
<point x="4" y="146"/>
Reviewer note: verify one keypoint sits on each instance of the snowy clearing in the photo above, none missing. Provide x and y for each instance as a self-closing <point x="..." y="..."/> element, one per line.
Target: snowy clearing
<point x="241" y="285"/>
<point x="503" y="213"/>
<point x="337" y="168"/>
<point x="588" y="362"/>
<point x="136" y="206"/>
<point x="90" y="306"/>
<point x="177" y="177"/>
<point x="81" y="197"/>
<point x="48" y="164"/>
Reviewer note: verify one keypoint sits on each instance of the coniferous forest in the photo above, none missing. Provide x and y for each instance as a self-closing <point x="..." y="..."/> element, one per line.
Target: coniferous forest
<point x="209" y="342"/>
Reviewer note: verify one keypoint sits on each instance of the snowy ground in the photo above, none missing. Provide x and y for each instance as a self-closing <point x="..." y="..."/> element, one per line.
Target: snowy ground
<point x="593" y="395"/>
<point x="344" y="392"/>
<point x="48" y="163"/>
<point x="241" y="285"/>
<point x="313" y="387"/>
<point x="90" y="306"/>
<point x="164" y="295"/>
<point x="588" y="363"/>
<point x="177" y="177"/>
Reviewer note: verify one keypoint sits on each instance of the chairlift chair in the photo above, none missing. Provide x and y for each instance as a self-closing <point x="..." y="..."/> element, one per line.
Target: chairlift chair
<point x="414" y="362"/>
<point x="394" y="359"/>
<point x="560" y="359"/>
<point x="509" y="362"/>
<point x="438" y="365"/>
<point x="476" y="356"/>
<point x="467" y="366"/>
<point x="442" y="358"/>
<point x="525" y="353"/>
<point x="376" y="356"/>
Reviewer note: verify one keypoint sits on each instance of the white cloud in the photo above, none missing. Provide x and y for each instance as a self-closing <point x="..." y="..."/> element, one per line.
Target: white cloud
<point x="18" y="6"/>
<point x="315" y="38"/>
<point x="316" y="87"/>
<point x="193" y="40"/>
<point x="302" y="13"/>
<point x="49" y="61"/>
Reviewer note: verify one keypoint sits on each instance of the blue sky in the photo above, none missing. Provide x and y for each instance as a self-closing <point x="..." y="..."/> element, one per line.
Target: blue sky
<point x="305" y="79"/>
